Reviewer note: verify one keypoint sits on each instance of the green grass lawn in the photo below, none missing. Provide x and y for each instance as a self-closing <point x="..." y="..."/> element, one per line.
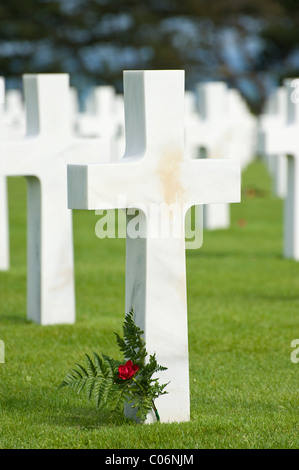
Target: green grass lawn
<point x="243" y="313"/>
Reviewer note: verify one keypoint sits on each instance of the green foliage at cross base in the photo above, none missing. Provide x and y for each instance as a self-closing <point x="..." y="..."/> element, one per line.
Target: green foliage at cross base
<point x="100" y="378"/>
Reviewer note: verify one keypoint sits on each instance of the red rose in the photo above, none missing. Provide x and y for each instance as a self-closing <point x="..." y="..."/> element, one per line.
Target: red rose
<point x="127" y="371"/>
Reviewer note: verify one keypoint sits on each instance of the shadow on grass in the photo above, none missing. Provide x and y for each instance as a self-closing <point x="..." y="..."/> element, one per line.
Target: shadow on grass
<point x="42" y="405"/>
<point x="15" y="319"/>
<point x="86" y="418"/>
<point x="233" y="254"/>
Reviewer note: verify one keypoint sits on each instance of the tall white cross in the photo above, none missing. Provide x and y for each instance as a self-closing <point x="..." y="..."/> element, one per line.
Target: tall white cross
<point x="242" y="133"/>
<point x="155" y="176"/>
<point x="271" y="123"/>
<point x="285" y="141"/>
<point x="214" y="139"/>
<point x="42" y="157"/>
<point x="15" y="119"/>
<point x="228" y="128"/>
<point x="12" y="123"/>
<point x="4" y="226"/>
<point x="99" y="117"/>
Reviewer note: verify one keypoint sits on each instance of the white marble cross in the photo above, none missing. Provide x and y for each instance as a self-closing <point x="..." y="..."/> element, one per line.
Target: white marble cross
<point x="271" y="123"/>
<point x="242" y="134"/>
<point x="12" y="124"/>
<point x="101" y="117"/>
<point x="4" y="225"/>
<point x="155" y="176"/>
<point x="213" y="108"/>
<point x="228" y="128"/>
<point x="14" y="117"/>
<point x="284" y="140"/>
<point x="42" y="157"/>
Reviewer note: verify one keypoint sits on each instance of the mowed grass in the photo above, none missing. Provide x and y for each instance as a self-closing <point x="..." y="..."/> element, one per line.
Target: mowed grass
<point x="243" y="313"/>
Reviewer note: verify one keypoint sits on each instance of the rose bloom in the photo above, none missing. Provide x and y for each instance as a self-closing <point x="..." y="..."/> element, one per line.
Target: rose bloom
<point x="127" y="371"/>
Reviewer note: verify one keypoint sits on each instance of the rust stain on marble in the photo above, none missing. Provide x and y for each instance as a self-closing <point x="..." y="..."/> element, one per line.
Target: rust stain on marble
<point x="168" y="170"/>
<point x="181" y="287"/>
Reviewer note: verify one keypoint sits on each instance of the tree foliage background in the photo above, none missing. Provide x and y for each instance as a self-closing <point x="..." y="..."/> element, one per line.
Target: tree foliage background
<point x="252" y="44"/>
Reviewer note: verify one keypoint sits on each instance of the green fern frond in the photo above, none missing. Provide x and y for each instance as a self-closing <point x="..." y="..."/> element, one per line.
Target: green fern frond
<point x="85" y="373"/>
<point x="100" y="365"/>
<point x="100" y="378"/>
<point x="132" y="345"/>
<point x="74" y="380"/>
<point x="90" y="388"/>
<point x="101" y="391"/>
<point x="90" y="367"/>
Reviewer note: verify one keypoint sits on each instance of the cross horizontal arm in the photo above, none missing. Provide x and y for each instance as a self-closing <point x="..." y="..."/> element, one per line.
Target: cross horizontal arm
<point x="282" y="140"/>
<point x="18" y="158"/>
<point x="101" y="186"/>
<point x="213" y="180"/>
<point x="204" y="181"/>
<point x="36" y="156"/>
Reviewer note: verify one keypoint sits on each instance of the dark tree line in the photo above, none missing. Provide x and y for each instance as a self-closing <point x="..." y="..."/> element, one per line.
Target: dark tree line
<point x="248" y="43"/>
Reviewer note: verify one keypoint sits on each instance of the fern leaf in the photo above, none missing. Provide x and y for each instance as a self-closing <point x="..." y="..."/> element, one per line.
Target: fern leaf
<point x="101" y="365"/>
<point x="82" y="369"/>
<point x="90" y="385"/>
<point x="112" y="365"/>
<point x="91" y="369"/>
<point x="101" y="391"/>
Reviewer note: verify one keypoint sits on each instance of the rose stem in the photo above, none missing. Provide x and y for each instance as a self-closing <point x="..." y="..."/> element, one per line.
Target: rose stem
<point x="153" y="404"/>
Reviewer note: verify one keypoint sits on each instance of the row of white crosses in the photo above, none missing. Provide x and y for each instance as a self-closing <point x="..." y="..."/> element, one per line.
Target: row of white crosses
<point x="41" y="156"/>
<point x="155" y="171"/>
<point x="104" y="117"/>
<point x="282" y="139"/>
